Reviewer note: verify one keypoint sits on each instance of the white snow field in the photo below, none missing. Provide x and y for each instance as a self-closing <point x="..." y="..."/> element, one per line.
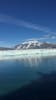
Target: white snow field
<point x="13" y="54"/>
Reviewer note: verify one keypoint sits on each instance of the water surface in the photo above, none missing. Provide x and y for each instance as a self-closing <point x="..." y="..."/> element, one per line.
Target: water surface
<point x="18" y="72"/>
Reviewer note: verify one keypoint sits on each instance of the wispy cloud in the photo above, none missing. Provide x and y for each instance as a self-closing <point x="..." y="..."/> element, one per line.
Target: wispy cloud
<point x="50" y="36"/>
<point x="12" y="20"/>
<point x="44" y="37"/>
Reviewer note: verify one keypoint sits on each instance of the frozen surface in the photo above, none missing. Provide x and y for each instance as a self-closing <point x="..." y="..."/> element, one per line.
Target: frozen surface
<point x="25" y="53"/>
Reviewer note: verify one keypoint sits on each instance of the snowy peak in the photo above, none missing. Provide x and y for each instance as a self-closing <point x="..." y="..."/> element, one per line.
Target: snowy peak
<point x="30" y="44"/>
<point x="35" y="44"/>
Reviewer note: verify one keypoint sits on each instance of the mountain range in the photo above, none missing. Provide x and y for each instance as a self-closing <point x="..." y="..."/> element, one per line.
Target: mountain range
<point x="31" y="44"/>
<point x="34" y="44"/>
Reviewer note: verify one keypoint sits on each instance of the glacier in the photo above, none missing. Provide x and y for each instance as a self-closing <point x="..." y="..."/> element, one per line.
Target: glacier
<point x="13" y="54"/>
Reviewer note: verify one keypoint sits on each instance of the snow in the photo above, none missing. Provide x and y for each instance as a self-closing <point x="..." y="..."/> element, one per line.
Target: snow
<point x="27" y="44"/>
<point x="12" y="54"/>
<point x="30" y="42"/>
<point x="19" y="47"/>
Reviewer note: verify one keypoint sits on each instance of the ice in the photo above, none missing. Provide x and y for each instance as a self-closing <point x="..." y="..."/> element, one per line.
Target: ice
<point x="9" y="54"/>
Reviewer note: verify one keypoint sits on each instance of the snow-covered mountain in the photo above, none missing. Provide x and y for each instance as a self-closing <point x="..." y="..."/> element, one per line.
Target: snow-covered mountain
<point x="31" y="44"/>
<point x="34" y="44"/>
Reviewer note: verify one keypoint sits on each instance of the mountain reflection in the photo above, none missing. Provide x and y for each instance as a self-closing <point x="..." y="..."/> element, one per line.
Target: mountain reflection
<point x="16" y="73"/>
<point x="42" y="64"/>
<point x="30" y="61"/>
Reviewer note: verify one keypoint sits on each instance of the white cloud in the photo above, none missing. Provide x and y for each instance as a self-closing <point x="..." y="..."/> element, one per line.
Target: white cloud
<point x="50" y="36"/>
<point x="12" y="20"/>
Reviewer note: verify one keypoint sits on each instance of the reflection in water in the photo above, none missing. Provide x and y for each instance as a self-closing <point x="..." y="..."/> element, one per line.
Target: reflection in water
<point x="16" y="73"/>
<point x="41" y="63"/>
<point x="31" y="61"/>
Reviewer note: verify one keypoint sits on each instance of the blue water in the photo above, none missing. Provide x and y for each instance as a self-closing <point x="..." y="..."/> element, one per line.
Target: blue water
<point x="16" y="73"/>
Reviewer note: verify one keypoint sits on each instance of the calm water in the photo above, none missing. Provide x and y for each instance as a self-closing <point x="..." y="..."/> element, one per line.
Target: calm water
<point x="16" y="73"/>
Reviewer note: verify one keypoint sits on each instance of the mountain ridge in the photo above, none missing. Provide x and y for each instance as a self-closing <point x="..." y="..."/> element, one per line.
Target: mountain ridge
<point x="34" y="44"/>
<point x="31" y="44"/>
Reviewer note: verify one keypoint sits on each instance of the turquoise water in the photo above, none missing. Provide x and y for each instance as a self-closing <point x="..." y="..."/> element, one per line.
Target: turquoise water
<point x="16" y="73"/>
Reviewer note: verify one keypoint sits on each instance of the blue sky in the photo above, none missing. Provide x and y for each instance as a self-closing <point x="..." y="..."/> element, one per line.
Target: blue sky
<point x="25" y="19"/>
